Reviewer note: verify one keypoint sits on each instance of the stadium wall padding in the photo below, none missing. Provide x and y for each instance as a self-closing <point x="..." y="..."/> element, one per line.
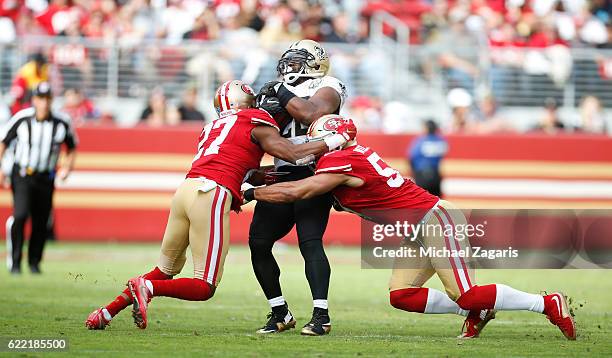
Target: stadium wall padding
<point x="125" y="177"/>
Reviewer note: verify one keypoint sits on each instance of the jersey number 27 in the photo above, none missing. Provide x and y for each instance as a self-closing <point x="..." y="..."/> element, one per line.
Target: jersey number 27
<point x="213" y="148"/>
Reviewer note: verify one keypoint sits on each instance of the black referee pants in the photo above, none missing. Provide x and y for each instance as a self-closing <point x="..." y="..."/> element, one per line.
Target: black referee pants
<point x="32" y="198"/>
<point x="271" y="222"/>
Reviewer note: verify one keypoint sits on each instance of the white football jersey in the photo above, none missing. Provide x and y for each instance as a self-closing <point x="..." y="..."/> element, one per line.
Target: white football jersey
<point x="296" y="131"/>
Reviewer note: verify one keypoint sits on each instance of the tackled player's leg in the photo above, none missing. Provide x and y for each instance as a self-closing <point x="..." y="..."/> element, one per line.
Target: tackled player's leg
<point x="311" y="217"/>
<point x="271" y="222"/>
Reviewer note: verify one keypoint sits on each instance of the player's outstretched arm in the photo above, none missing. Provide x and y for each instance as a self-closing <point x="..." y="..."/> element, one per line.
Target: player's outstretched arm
<point x="325" y="101"/>
<point x="272" y="143"/>
<point x="288" y="192"/>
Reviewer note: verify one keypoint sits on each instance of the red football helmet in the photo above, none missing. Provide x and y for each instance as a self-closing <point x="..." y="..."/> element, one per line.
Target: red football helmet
<point x="233" y="95"/>
<point x="328" y="125"/>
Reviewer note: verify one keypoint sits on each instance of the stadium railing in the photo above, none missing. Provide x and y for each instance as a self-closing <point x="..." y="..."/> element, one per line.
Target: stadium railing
<point x="382" y="68"/>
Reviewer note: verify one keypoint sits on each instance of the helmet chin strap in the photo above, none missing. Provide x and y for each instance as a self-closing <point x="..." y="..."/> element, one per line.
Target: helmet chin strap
<point x="291" y="77"/>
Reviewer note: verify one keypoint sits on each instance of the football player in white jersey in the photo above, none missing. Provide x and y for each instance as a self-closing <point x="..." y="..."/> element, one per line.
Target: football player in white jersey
<point x="305" y="93"/>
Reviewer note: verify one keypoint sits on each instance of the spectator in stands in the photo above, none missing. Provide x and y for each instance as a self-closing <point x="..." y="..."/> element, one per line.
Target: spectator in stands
<point x="59" y="15"/>
<point x="460" y="102"/>
<point x="488" y="119"/>
<point x="279" y="26"/>
<point x="550" y="123"/>
<point x="592" y="119"/>
<point x="72" y="58"/>
<point x="78" y="107"/>
<point x="178" y="18"/>
<point x="187" y="109"/>
<point x="204" y="28"/>
<point x="248" y="53"/>
<point x="425" y="155"/>
<point x="8" y="32"/>
<point x="455" y="50"/>
<point x="28" y="77"/>
<point x="366" y="112"/>
<point x="158" y="111"/>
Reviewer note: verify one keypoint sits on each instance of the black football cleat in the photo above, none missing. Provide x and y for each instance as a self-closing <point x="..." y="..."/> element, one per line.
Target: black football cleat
<point x="319" y="325"/>
<point x="278" y="322"/>
<point x="35" y="269"/>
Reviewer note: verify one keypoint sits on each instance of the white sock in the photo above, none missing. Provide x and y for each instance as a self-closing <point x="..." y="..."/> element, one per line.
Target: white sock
<point x="320" y="304"/>
<point x="438" y="302"/>
<point x="277" y="301"/>
<point x="106" y="314"/>
<point x="510" y="299"/>
<point x="149" y="286"/>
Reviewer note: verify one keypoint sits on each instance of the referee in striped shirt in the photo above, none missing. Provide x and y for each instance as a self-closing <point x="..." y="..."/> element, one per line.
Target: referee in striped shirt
<point x="38" y="133"/>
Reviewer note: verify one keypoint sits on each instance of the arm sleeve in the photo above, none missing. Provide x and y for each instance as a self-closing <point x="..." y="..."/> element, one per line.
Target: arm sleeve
<point x="9" y="131"/>
<point x="261" y="117"/>
<point x="333" y="164"/>
<point x="71" y="139"/>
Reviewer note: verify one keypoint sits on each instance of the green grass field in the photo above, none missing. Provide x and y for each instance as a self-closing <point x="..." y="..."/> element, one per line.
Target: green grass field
<point x="79" y="278"/>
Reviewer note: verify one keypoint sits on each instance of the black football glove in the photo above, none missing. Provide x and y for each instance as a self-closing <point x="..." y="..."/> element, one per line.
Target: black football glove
<point x="268" y="90"/>
<point x="270" y="105"/>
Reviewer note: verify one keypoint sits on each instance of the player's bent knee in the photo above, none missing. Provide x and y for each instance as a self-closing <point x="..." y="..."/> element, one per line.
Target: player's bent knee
<point x="204" y="291"/>
<point x="478" y="298"/>
<point x="467" y="299"/>
<point x="212" y="290"/>
<point x="408" y="299"/>
<point x="453" y="294"/>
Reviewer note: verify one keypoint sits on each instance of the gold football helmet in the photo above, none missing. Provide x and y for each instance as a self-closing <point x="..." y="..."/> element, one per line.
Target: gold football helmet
<point x="305" y="58"/>
<point x="233" y="95"/>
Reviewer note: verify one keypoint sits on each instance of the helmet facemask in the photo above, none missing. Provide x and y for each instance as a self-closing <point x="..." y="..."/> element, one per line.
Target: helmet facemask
<point x="295" y="64"/>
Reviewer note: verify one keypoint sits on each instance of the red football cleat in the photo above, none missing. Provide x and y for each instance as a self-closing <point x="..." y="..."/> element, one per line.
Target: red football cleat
<point x="96" y="320"/>
<point x="475" y="323"/>
<point x="141" y="298"/>
<point x="558" y="313"/>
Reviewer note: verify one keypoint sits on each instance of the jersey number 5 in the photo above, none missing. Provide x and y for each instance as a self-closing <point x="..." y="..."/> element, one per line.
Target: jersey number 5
<point x="213" y="148"/>
<point x="395" y="178"/>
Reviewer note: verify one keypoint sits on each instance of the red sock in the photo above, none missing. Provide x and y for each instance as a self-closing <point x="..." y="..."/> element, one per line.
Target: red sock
<point x="125" y="298"/>
<point x="409" y="299"/>
<point x="478" y="298"/>
<point x="190" y="289"/>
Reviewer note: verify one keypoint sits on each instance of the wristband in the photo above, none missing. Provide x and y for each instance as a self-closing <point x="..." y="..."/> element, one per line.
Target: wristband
<point x="284" y="95"/>
<point x="306" y="160"/>
<point x="249" y="194"/>
<point x="334" y="141"/>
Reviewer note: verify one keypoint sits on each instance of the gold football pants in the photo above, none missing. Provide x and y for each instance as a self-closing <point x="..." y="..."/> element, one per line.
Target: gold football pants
<point x="199" y="218"/>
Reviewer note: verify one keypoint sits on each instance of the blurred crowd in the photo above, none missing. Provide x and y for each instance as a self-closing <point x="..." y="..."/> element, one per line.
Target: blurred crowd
<point x="450" y="33"/>
<point x="535" y="23"/>
<point x="481" y="116"/>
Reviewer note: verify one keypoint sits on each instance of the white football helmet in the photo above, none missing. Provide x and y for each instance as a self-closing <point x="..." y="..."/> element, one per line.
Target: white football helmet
<point x="233" y="95"/>
<point x="327" y="125"/>
<point x="305" y="58"/>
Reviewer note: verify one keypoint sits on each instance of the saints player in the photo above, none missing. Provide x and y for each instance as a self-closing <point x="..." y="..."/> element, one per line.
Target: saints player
<point x="306" y="93"/>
